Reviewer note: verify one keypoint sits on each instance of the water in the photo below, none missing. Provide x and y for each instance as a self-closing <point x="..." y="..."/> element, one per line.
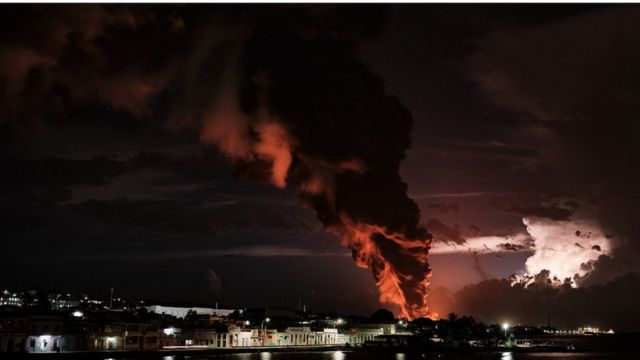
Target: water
<point x="358" y="355"/>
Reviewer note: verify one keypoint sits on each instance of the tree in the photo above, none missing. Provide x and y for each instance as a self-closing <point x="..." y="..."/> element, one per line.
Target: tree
<point x="383" y="315"/>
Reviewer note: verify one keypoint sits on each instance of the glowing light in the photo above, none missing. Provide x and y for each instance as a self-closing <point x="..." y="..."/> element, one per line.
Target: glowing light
<point x="169" y="331"/>
<point x="391" y="282"/>
<point x="77" y="314"/>
<point x="338" y="355"/>
<point x="505" y="326"/>
<point x="566" y="249"/>
<point x="506" y="356"/>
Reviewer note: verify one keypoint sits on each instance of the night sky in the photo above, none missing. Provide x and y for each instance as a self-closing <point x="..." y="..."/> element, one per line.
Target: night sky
<point x="198" y="153"/>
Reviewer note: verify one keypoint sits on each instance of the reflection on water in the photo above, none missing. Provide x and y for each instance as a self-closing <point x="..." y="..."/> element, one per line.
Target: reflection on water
<point x="388" y="355"/>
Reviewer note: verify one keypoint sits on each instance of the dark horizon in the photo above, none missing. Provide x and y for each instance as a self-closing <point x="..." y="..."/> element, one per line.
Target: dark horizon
<point x="247" y="154"/>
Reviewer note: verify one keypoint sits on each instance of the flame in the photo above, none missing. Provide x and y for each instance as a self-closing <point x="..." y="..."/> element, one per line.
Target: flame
<point x="405" y="290"/>
<point x="399" y="263"/>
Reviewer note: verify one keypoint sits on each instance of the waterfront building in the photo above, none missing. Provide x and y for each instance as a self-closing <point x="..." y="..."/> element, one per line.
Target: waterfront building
<point x="204" y="338"/>
<point x="240" y="337"/>
<point x="45" y="334"/>
<point x="142" y="336"/>
<point x="298" y="336"/>
<point x="360" y="335"/>
<point x="106" y="337"/>
<point x="12" y="333"/>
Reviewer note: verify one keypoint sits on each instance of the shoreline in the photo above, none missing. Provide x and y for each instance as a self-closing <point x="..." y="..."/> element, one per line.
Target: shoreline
<point x="309" y="349"/>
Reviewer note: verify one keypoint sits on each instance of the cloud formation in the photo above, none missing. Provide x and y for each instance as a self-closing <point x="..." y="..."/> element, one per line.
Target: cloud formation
<point x="567" y="83"/>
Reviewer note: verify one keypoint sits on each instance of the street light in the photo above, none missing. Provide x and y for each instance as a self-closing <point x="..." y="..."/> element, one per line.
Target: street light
<point x="264" y="329"/>
<point x="505" y="327"/>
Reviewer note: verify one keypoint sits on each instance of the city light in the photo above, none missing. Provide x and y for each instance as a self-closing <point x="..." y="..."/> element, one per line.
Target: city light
<point x="77" y="314"/>
<point x="505" y="327"/>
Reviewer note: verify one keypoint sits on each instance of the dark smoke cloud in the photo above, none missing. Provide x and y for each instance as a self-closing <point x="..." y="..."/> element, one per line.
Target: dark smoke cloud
<point x="280" y="91"/>
<point x="445" y="233"/>
<point x="347" y="138"/>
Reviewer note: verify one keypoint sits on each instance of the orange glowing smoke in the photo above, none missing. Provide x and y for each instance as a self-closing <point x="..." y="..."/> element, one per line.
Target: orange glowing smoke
<point x="274" y="147"/>
<point x="404" y="289"/>
<point x="399" y="264"/>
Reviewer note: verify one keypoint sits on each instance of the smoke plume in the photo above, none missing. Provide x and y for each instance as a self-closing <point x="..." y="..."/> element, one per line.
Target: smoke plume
<point x="318" y="119"/>
<point x="281" y="92"/>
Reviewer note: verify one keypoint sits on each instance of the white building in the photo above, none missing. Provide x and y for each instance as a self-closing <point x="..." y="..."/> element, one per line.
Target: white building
<point x="298" y="336"/>
<point x="239" y="337"/>
<point x="181" y="312"/>
<point x="205" y="337"/>
<point x="360" y="335"/>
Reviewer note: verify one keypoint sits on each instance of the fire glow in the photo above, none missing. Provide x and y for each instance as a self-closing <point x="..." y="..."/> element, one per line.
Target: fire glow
<point x="287" y="119"/>
<point x="399" y="263"/>
<point x="406" y="290"/>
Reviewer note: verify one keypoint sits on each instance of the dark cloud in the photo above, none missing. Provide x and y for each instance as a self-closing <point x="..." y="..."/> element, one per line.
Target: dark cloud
<point x="445" y="233"/>
<point x="511" y="247"/>
<point x="580" y="95"/>
<point x="551" y="212"/>
<point x="443" y="207"/>
<point x="478" y="267"/>
<point x="606" y="306"/>
<point x="212" y="280"/>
